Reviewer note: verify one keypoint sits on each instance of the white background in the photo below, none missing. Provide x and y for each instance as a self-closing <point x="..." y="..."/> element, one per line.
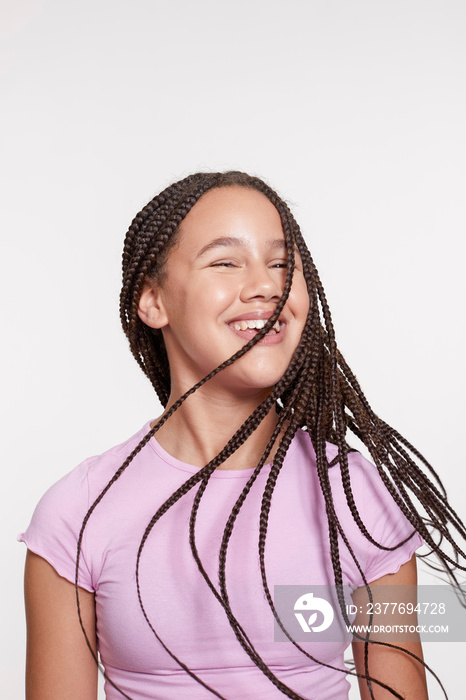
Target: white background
<point x="355" y="110"/>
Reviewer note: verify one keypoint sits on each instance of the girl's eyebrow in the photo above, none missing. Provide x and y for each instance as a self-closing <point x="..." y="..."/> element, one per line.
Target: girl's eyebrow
<point x="239" y="242"/>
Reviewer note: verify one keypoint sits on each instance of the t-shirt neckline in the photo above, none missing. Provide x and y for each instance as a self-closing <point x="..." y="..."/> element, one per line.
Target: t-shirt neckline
<point x="191" y="469"/>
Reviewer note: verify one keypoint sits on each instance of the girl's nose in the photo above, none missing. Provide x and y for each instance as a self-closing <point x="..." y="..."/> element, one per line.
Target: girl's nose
<point x="263" y="283"/>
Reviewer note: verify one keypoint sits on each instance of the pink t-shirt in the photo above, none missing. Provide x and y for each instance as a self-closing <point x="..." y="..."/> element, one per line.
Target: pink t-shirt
<point x="176" y="598"/>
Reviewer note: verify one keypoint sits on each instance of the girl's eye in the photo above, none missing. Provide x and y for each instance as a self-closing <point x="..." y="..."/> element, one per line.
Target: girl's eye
<point x="223" y="263"/>
<point x="282" y="264"/>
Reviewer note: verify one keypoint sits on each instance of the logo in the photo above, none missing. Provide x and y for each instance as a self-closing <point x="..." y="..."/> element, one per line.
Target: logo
<point x="310" y="612"/>
<point x="314" y="605"/>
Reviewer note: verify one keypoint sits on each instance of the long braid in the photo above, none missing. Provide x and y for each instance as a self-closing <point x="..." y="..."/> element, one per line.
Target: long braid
<point x="222" y="595"/>
<point x="334" y="526"/>
<point x="265" y="509"/>
<point x="234" y="443"/>
<point x="203" y="475"/>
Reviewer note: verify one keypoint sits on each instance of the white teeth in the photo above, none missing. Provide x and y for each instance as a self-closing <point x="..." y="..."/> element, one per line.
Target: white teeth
<point x="256" y="324"/>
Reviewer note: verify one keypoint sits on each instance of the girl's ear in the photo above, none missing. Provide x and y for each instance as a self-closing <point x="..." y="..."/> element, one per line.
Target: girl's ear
<point x="151" y="309"/>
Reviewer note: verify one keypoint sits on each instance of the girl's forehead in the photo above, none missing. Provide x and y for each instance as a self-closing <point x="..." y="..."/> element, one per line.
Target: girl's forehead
<point x="232" y="212"/>
<point x="246" y="245"/>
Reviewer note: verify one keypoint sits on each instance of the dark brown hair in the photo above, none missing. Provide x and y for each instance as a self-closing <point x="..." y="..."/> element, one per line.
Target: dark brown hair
<point x="318" y="393"/>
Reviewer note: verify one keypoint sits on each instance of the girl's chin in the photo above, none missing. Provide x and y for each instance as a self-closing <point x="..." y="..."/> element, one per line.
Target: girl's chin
<point x="245" y="380"/>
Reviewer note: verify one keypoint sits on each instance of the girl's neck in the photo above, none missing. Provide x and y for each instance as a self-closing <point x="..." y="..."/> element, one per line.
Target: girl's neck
<point x="203" y="425"/>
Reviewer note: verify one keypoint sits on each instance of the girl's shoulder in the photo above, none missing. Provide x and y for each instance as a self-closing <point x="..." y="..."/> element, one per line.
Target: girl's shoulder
<point x="58" y="517"/>
<point x="369" y="508"/>
<point x="87" y="479"/>
<point x="359" y="467"/>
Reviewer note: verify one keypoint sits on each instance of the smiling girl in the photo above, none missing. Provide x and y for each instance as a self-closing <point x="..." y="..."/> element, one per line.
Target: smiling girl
<point x="173" y="541"/>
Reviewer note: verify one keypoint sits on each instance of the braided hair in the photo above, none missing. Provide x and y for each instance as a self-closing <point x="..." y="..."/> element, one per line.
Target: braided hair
<point x="318" y="393"/>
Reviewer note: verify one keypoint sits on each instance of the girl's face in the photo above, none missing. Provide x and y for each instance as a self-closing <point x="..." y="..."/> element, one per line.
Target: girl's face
<point x="222" y="281"/>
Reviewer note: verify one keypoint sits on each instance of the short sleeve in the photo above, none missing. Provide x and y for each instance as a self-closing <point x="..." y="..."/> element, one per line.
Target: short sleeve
<point x="389" y="527"/>
<point x="382" y="518"/>
<point x="54" y="529"/>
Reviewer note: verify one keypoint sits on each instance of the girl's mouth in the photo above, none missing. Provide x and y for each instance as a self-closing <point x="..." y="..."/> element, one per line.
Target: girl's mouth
<point x="248" y="328"/>
<point x="255" y="324"/>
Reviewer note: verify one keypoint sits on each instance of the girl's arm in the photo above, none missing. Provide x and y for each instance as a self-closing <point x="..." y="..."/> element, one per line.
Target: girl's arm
<point x="59" y="666"/>
<point x="394" y="668"/>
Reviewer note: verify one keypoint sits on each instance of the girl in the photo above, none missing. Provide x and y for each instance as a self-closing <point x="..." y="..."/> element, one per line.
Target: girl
<point x="170" y="544"/>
